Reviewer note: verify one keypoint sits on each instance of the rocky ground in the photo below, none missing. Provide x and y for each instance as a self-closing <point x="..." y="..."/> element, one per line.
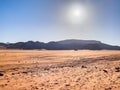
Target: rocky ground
<point x="59" y="70"/>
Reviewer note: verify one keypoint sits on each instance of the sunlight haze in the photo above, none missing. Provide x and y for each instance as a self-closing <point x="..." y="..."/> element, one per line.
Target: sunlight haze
<point x="53" y="20"/>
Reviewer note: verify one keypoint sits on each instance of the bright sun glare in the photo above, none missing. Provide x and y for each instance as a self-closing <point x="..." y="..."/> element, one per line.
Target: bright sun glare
<point x="77" y="14"/>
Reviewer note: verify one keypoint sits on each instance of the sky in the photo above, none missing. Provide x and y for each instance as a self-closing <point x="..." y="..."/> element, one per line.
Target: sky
<point x="54" y="20"/>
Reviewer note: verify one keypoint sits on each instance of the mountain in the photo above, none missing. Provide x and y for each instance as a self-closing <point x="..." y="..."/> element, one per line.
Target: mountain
<point x="86" y="44"/>
<point x="26" y="45"/>
<point x="71" y="41"/>
<point x="2" y="46"/>
<point x="70" y="44"/>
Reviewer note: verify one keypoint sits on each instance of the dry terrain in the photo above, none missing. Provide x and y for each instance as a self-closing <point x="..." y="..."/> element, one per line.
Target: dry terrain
<point x="59" y="70"/>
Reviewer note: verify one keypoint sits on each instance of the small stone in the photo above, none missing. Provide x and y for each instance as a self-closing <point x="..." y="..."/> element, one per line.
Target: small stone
<point x="1" y="74"/>
<point x="117" y="69"/>
<point x="118" y="77"/>
<point x="56" y="83"/>
<point x="83" y="66"/>
<point x="13" y="73"/>
<point x="105" y="71"/>
<point x="46" y="68"/>
<point x="67" y="84"/>
<point x="108" y="88"/>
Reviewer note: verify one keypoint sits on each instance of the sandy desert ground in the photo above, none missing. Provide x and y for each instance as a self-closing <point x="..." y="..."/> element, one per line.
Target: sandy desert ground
<point x="59" y="70"/>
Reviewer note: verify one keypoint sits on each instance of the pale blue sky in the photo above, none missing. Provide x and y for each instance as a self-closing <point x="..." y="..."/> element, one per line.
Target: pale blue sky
<point x="37" y="20"/>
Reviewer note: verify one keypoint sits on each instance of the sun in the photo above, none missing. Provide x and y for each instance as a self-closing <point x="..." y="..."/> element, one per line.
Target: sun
<point x="77" y="14"/>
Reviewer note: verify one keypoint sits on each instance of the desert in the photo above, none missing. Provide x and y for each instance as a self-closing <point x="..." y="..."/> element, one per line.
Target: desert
<point x="59" y="44"/>
<point x="59" y="70"/>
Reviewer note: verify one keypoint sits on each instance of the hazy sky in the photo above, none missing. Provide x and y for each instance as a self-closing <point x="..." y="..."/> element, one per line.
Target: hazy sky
<point x="46" y="20"/>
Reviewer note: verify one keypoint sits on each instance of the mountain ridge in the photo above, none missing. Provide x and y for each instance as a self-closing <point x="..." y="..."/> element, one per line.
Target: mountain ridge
<point x="68" y="44"/>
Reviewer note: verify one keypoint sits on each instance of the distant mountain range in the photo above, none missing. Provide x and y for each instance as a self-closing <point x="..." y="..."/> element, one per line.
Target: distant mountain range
<point x="70" y="44"/>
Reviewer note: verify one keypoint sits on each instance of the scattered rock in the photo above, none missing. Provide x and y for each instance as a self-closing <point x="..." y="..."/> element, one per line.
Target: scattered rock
<point x="105" y="71"/>
<point x="117" y="69"/>
<point x="95" y="67"/>
<point x="1" y="74"/>
<point x="46" y="68"/>
<point x="56" y="83"/>
<point x="71" y="66"/>
<point x="24" y="72"/>
<point x="83" y="66"/>
<point x="118" y="77"/>
<point x="6" y="84"/>
<point x="3" y="85"/>
<point x="13" y="73"/>
<point x="67" y="84"/>
<point x="108" y="88"/>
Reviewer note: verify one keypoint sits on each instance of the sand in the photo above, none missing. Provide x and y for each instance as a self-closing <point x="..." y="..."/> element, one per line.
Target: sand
<point x="59" y="70"/>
